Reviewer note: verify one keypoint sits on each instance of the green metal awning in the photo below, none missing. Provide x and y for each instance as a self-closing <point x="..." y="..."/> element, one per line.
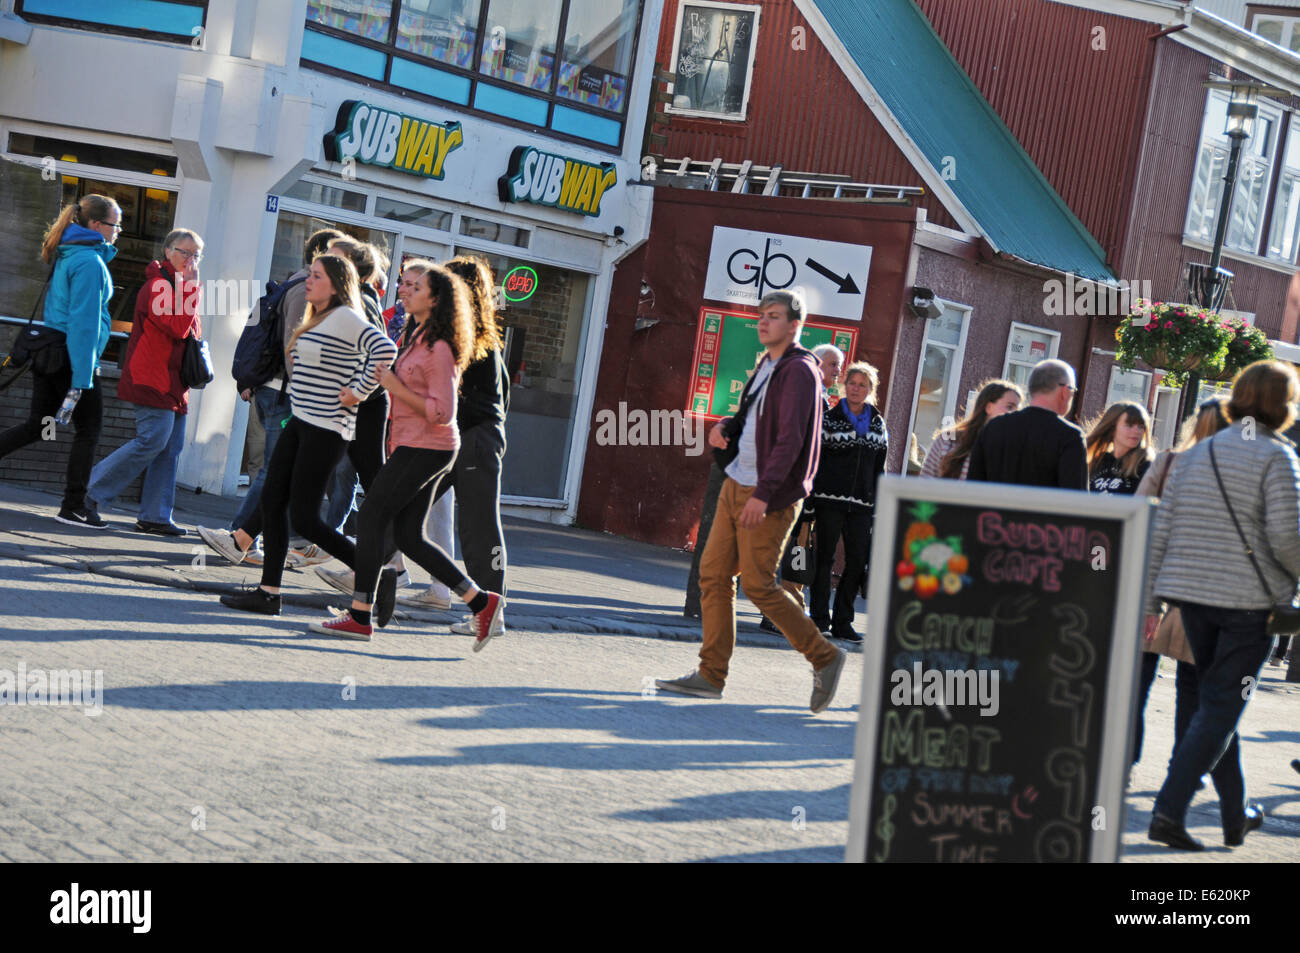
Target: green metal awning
<point x="977" y="168"/>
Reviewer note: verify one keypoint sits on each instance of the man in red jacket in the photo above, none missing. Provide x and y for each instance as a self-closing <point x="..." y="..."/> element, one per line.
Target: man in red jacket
<point x="776" y="436"/>
<point x="166" y="313"/>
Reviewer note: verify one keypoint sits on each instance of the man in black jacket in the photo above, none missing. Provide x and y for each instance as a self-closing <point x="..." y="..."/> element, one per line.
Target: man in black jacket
<point x="1035" y="446"/>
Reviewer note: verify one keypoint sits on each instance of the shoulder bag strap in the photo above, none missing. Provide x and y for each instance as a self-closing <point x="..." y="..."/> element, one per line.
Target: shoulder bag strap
<point x="1249" y="552"/>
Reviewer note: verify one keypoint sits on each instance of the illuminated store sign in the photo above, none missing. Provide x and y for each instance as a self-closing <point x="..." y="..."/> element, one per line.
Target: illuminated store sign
<point x="559" y="182"/>
<point x="391" y="140"/>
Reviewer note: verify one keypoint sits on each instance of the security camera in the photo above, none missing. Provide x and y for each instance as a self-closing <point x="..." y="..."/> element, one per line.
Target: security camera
<point x="923" y="304"/>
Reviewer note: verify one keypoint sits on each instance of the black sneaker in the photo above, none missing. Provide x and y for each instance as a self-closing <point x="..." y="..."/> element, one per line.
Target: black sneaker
<point x="255" y="599"/>
<point x="1252" y="820"/>
<point x="84" y="515"/>
<point x="385" y="597"/>
<point x="846" y="635"/>
<point x="767" y="625"/>
<point x="160" y="529"/>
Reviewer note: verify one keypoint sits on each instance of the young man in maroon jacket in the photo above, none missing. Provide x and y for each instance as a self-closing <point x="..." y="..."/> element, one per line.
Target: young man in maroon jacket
<point x="778" y="445"/>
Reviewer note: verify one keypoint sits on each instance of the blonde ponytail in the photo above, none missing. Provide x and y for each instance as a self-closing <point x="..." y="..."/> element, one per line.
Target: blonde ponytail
<point x="91" y="208"/>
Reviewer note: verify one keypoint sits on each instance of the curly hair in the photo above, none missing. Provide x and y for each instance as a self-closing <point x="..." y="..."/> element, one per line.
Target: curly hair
<point x="451" y="317"/>
<point x="476" y="274"/>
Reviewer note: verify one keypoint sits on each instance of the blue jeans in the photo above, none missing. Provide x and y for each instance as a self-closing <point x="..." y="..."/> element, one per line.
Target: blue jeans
<point x="1230" y="646"/>
<point x="272" y="409"/>
<point x="159" y="438"/>
<point x="1185" y="701"/>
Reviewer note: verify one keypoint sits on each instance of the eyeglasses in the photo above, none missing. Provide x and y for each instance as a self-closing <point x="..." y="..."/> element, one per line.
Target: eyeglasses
<point x="117" y="224"/>
<point x="187" y="255"/>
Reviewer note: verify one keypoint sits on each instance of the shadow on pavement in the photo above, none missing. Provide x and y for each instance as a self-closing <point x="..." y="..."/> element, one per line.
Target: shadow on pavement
<point x="829" y="805"/>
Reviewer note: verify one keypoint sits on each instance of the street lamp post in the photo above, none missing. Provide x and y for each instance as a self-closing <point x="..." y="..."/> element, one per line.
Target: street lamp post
<point x="1209" y="284"/>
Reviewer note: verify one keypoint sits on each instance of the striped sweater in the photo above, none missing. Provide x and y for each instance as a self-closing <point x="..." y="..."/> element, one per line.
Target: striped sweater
<point x="1196" y="555"/>
<point x="344" y="350"/>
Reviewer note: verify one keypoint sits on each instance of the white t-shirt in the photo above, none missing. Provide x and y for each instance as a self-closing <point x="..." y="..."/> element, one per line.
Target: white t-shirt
<point x="744" y="469"/>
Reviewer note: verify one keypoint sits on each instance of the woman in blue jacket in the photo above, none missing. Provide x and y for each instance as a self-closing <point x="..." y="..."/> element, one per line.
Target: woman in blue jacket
<point x="79" y="245"/>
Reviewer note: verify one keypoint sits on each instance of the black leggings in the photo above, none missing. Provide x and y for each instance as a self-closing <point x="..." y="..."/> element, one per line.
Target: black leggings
<point x="296" y="475"/>
<point x="393" y="517"/>
<point x="48" y="392"/>
<point x="366" y="451"/>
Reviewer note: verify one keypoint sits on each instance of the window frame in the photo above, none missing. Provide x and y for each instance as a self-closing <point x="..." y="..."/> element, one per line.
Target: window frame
<point x="956" y="364"/>
<point x="757" y="10"/>
<point x="1288" y="16"/>
<point x="90" y="26"/>
<point x="1146" y="389"/>
<point x="1054" y="346"/>
<point x="550" y="96"/>
<point x="1278" y="115"/>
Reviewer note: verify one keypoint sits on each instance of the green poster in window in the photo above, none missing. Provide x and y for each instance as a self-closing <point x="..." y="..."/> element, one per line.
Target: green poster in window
<point x="726" y="349"/>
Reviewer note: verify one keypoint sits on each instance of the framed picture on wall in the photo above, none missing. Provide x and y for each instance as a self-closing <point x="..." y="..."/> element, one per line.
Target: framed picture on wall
<point x="713" y="58"/>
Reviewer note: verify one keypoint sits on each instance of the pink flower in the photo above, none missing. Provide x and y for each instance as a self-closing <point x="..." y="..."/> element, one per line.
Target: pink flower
<point x="1168" y="325"/>
<point x="1151" y="326"/>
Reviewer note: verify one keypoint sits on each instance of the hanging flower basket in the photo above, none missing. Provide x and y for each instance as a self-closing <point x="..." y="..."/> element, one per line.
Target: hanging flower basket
<point x="1175" y="338"/>
<point x="1247" y="345"/>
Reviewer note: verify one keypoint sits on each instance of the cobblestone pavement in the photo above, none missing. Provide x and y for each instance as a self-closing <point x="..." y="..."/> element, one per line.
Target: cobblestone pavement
<point x="232" y="737"/>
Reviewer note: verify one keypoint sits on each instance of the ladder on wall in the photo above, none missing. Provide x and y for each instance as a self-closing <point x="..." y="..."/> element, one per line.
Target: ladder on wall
<point x="746" y="177"/>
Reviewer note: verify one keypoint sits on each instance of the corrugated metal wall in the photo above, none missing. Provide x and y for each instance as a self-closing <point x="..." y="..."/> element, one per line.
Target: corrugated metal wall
<point x="803" y="113"/>
<point x="1069" y="83"/>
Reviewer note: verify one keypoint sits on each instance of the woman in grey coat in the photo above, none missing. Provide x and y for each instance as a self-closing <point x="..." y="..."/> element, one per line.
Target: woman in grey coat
<point x="1200" y="563"/>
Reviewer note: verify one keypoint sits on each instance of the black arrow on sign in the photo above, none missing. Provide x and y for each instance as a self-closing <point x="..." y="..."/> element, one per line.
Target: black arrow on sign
<point x="847" y="285"/>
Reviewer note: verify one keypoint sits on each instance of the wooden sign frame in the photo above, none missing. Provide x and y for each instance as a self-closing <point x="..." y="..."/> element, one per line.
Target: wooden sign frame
<point x="1117" y="709"/>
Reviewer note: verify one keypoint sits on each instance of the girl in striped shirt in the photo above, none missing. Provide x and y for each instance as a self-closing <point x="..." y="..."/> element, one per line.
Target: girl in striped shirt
<point x="422" y="443"/>
<point x="336" y="358"/>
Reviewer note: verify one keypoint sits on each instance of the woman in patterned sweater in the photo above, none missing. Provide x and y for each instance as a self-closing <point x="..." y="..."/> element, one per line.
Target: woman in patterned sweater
<point x="855" y="445"/>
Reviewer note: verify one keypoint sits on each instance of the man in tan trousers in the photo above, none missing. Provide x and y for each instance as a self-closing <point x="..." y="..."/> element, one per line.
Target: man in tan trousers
<point x="776" y="436"/>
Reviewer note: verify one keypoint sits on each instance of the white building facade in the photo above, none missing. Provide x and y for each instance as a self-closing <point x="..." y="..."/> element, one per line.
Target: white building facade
<point x="215" y="116"/>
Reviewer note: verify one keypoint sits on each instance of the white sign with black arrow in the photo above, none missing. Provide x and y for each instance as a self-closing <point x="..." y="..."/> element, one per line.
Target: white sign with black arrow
<point x="832" y="276"/>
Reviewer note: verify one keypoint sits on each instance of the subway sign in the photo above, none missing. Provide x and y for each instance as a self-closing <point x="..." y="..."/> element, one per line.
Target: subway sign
<point x="391" y="140"/>
<point x="571" y="185"/>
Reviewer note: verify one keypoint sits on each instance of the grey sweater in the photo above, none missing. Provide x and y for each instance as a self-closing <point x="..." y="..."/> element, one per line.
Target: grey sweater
<point x="1196" y="555"/>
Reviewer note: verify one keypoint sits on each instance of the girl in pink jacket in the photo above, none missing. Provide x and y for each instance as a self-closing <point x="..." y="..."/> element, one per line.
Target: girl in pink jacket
<point x="422" y="444"/>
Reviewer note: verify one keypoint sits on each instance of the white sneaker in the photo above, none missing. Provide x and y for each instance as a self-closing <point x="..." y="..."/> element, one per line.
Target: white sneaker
<point x="424" y="600"/>
<point x="465" y="626"/>
<point x="344" y="580"/>
<point x="222" y="541"/>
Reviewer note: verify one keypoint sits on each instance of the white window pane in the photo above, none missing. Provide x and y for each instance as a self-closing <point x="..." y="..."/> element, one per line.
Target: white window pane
<point x="598" y="52"/>
<point x="1131" y="386"/>
<point x="519" y="42"/>
<point x="368" y="18"/>
<point x="947" y="327"/>
<point x="1029" y="346"/>
<point x="1248" y="206"/>
<point x="1207" y="187"/>
<point x="1282" y="241"/>
<point x="1270" y="30"/>
<point x="443" y="30"/>
<point x="932" y="398"/>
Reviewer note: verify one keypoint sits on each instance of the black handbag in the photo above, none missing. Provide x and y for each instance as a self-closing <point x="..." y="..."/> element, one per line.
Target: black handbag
<point x="1284" y="620"/>
<point x="196" y="364"/>
<point x="799" y="564"/>
<point x="41" y="348"/>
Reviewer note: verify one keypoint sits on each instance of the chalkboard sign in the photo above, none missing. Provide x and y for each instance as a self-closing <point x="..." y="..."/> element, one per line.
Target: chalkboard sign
<point x="1000" y="673"/>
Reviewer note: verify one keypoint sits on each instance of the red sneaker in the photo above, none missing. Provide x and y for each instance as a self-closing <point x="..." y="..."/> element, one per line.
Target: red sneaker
<point x="488" y="624"/>
<point x="344" y="626"/>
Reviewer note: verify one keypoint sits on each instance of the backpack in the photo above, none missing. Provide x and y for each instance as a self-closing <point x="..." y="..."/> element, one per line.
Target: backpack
<point x="259" y="355"/>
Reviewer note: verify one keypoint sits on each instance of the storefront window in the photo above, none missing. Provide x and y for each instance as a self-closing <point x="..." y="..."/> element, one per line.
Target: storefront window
<point x="292" y="230"/>
<point x="598" y="52"/>
<point x="546" y="331"/>
<point x="412" y="214"/>
<point x="368" y="18"/>
<point x="1131" y="386"/>
<point x="442" y="30"/>
<point x="519" y="45"/>
<point x="494" y="231"/>
<point x="713" y="58"/>
<point x="319" y="194"/>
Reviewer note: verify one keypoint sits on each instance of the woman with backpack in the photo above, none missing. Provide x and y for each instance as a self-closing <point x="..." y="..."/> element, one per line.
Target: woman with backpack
<point x="422" y="442"/>
<point x="79" y="245"/>
<point x="166" y="313"/>
<point x="1226" y="552"/>
<point x="335" y="358"/>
